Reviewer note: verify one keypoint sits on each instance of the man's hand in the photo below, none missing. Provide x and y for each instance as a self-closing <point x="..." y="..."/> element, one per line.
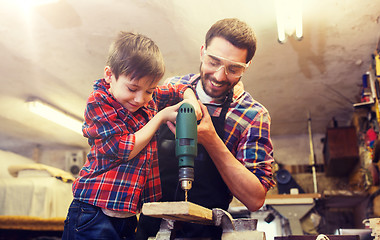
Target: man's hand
<point x="205" y="129"/>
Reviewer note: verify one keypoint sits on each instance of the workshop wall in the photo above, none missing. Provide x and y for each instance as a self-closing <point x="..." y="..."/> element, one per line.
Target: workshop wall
<point x="295" y="149"/>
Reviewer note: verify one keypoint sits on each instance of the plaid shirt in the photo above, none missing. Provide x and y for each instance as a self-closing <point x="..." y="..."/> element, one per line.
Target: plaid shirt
<point x="247" y="131"/>
<point x="108" y="179"/>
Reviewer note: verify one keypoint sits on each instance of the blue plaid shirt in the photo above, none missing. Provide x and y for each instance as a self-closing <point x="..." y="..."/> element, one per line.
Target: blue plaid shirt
<point x="247" y="131"/>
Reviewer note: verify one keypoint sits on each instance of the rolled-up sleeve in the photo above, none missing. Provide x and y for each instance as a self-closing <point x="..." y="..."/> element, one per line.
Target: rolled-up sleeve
<point x="167" y="95"/>
<point x="255" y="149"/>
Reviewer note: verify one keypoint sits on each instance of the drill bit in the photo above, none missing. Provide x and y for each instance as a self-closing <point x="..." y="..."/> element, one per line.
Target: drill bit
<point x="186" y="195"/>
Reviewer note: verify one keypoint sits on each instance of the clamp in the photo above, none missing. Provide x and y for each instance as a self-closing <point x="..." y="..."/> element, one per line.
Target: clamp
<point x="239" y="229"/>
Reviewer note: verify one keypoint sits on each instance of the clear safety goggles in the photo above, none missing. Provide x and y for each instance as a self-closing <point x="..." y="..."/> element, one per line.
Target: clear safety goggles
<point x="231" y="68"/>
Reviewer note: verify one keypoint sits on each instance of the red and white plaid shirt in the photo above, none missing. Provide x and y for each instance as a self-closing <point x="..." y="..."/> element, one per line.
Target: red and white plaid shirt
<point x="108" y="179"/>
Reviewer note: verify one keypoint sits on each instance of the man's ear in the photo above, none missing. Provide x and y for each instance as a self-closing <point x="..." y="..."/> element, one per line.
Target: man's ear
<point x="107" y="74"/>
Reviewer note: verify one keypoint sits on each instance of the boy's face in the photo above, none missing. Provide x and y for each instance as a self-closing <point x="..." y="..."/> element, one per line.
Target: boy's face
<point x="131" y="93"/>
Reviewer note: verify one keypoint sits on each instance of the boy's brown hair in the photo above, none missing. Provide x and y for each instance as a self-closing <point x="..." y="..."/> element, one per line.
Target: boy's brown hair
<point x="236" y="32"/>
<point x="136" y="56"/>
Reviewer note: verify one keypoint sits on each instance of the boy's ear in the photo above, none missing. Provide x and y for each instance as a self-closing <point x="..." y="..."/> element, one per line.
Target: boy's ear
<point x="107" y="74"/>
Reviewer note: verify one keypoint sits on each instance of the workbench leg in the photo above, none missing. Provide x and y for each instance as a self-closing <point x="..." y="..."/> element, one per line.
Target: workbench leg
<point x="294" y="213"/>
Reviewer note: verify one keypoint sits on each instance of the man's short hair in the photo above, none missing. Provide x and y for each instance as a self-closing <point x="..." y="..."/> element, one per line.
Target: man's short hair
<point x="237" y="32"/>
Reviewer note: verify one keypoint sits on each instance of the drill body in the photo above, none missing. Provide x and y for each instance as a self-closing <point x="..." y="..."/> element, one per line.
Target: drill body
<point x="186" y="145"/>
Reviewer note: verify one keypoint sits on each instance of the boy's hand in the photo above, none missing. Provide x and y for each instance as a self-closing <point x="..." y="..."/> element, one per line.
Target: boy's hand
<point x="190" y="97"/>
<point x="171" y="126"/>
<point x="169" y="114"/>
<point x="197" y="109"/>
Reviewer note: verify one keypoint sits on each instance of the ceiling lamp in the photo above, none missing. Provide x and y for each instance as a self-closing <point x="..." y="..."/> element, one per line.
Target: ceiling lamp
<point x="289" y="19"/>
<point x="55" y="115"/>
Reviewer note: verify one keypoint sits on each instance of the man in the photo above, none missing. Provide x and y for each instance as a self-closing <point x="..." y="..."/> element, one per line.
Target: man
<point x="235" y="150"/>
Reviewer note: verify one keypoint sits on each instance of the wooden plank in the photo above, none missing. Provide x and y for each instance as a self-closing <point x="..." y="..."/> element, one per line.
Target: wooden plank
<point x="300" y="195"/>
<point x="182" y="211"/>
<point x="290" y="199"/>
<point x="31" y="223"/>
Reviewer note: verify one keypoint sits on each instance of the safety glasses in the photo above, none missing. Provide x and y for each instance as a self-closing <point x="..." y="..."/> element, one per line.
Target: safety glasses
<point x="215" y="63"/>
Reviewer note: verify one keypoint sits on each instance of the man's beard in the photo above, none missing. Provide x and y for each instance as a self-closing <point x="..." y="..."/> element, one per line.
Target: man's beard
<point x="207" y="77"/>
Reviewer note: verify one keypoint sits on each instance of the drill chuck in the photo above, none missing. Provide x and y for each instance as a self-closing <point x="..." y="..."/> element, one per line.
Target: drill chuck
<point x="186" y="144"/>
<point x="186" y="177"/>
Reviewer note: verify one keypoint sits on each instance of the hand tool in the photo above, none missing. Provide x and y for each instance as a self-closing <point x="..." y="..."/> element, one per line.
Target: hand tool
<point x="186" y="145"/>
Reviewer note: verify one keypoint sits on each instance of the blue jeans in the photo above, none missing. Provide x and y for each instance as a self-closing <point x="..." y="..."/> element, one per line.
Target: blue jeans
<point x="85" y="221"/>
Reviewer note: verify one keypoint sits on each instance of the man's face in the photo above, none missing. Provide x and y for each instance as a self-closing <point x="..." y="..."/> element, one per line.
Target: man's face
<point x="222" y="66"/>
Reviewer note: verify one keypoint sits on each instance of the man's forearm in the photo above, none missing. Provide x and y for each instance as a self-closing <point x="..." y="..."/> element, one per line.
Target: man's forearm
<point x="243" y="184"/>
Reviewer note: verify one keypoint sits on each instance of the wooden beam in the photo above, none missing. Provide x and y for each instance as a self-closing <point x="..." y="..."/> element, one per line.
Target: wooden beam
<point x="31" y="223"/>
<point x="300" y="195"/>
<point x="181" y="211"/>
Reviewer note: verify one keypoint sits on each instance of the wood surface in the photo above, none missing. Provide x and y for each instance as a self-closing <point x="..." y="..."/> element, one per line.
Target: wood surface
<point x="31" y="223"/>
<point x="182" y="211"/>
<point x="300" y="195"/>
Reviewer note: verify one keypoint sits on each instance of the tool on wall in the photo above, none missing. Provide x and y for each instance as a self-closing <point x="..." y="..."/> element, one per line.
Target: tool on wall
<point x="186" y="145"/>
<point x="312" y="156"/>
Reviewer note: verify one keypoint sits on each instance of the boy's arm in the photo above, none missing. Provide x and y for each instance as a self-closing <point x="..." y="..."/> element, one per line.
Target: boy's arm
<point x="189" y="97"/>
<point x="105" y="129"/>
<point x="167" y="95"/>
<point x="145" y="134"/>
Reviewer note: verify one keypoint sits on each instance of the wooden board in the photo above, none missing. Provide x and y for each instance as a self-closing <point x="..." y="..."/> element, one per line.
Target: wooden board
<point x="182" y="211"/>
<point x="31" y="223"/>
<point x="291" y="199"/>
<point x="300" y="195"/>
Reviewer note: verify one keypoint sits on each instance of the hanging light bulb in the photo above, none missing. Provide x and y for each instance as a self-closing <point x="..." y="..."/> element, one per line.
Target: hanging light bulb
<point x="289" y="19"/>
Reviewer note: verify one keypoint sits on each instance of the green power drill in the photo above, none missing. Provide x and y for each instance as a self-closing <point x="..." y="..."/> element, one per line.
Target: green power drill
<point x="186" y="145"/>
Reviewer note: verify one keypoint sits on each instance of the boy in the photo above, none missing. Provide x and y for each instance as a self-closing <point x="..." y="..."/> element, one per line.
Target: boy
<point x="121" y="118"/>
